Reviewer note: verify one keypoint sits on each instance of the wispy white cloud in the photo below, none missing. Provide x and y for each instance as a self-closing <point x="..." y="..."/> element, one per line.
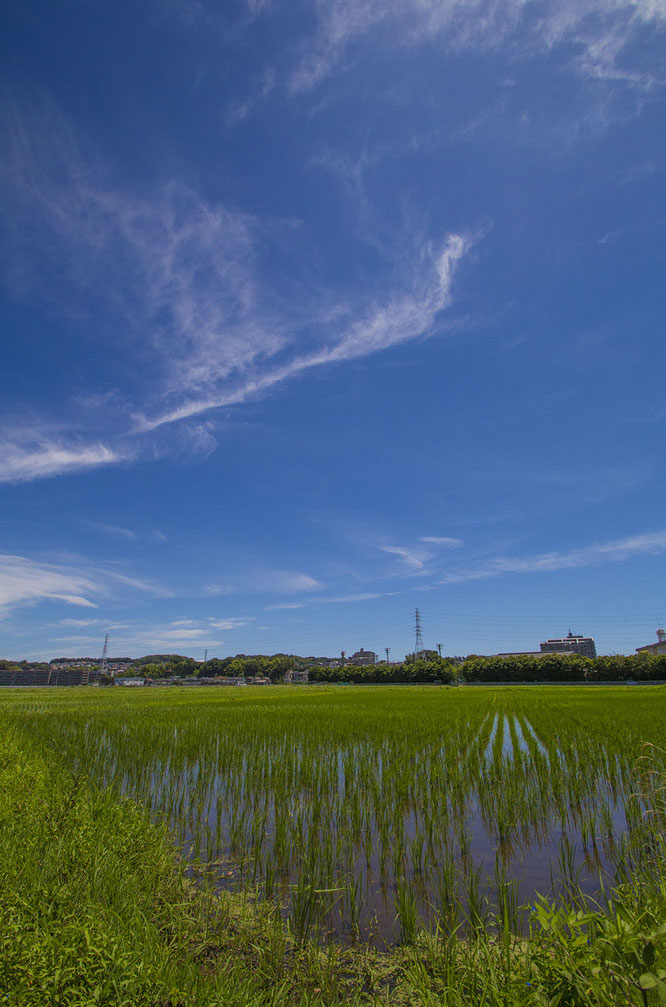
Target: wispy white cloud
<point x="23" y="581"/>
<point x="23" y="462"/>
<point x="419" y="558"/>
<point x="180" y="270"/>
<point x="336" y="600"/>
<point x="361" y="596"/>
<point x="233" y="623"/>
<point x="188" y="10"/>
<point x="211" y="296"/>
<point x="78" y="623"/>
<point x="138" y="641"/>
<point x="240" y="109"/>
<point x="404" y="318"/>
<point x="212" y="622"/>
<point x="138" y="584"/>
<point x="218" y="589"/>
<point x="287" y="582"/>
<point x="85" y="624"/>
<point x="651" y="543"/>
<point x="413" y="558"/>
<point x="597" y="32"/>
<point x="134" y="638"/>
<point x="266" y="581"/>
<point x="285" y="605"/>
<point x="442" y="540"/>
<point x="74" y="639"/>
<point x="191" y="634"/>
<point x="114" y="530"/>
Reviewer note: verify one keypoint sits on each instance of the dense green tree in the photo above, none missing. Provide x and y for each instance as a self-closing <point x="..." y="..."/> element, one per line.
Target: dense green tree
<point x="414" y="671"/>
<point x="565" y="668"/>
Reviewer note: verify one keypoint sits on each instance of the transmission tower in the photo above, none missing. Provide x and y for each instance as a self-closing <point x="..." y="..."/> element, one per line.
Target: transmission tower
<point x="439" y="648"/>
<point x="388" y="651"/>
<point x="206" y="655"/>
<point x="418" y="645"/>
<point x="105" y="654"/>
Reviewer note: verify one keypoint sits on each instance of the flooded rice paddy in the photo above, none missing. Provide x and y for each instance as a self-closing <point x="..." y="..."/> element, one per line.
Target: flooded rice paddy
<point x="367" y="813"/>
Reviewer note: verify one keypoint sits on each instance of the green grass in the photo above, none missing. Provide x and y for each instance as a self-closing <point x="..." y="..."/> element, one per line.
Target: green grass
<point x="313" y="805"/>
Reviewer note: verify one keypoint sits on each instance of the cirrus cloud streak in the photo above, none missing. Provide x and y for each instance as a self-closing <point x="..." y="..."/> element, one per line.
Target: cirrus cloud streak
<point x="22" y="463"/>
<point x="597" y="33"/>
<point x="25" y="581"/>
<point x="220" y="302"/>
<point x="648" y="544"/>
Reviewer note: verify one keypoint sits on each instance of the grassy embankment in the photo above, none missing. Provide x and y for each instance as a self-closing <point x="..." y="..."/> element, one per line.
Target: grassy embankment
<point x="96" y="908"/>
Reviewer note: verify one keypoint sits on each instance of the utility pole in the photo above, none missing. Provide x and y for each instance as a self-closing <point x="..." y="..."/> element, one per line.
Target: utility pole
<point x="439" y="648"/>
<point x="388" y="651"/>
<point x="418" y="644"/>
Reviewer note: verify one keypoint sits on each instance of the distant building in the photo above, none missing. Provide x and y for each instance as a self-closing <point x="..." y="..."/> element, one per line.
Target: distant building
<point x="222" y="680"/>
<point x="570" y="644"/>
<point x="41" y="676"/>
<point x="297" y="677"/>
<point x="655" y="648"/>
<point x="362" y="657"/>
<point x="75" y="676"/>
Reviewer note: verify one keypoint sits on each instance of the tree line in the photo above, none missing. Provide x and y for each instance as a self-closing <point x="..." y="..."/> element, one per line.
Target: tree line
<point x="565" y="668"/>
<point x="515" y="668"/>
<point x="434" y="670"/>
<point x="273" y="667"/>
<point x="519" y="668"/>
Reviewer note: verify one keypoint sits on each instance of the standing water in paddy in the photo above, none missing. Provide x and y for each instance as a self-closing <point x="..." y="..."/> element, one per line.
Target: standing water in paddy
<point x="371" y="813"/>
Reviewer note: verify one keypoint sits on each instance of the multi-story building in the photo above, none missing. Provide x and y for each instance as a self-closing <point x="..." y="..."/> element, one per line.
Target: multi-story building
<point x="583" y="645"/>
<point x="362" y="657"/>
<point x="655" y="648"/>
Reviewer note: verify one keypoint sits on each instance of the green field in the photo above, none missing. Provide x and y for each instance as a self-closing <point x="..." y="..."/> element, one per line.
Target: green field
<point x="391" y="825"/>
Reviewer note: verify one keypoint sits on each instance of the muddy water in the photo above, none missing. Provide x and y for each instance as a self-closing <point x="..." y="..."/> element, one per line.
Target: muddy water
<point x="376" y="877"/>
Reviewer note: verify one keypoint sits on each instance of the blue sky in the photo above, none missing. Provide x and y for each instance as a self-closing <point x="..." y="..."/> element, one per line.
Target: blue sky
<point x="313" y="313"/>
